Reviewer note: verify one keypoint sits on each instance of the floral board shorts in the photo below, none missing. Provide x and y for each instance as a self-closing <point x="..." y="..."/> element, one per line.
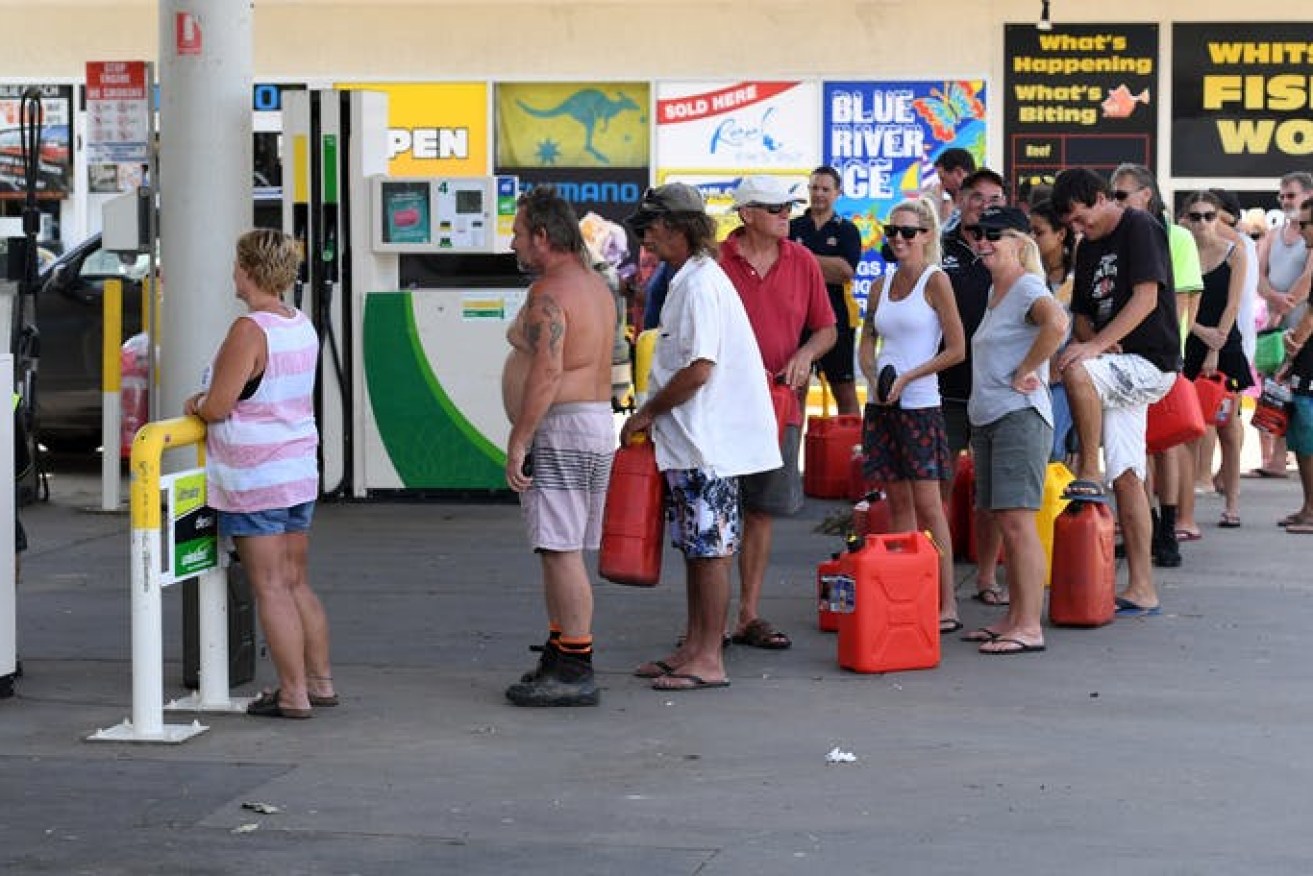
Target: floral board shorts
<point x="905" y="445"/>
<point x="705" y="519"/>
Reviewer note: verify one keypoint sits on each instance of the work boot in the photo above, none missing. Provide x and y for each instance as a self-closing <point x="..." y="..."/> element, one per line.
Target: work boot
<point x="563" y="680"/>
<point x="546" y="660"/>
<point x="1166" y="552"/>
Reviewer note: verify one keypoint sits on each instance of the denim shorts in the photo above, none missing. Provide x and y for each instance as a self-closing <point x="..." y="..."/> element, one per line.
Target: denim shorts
<point x="275" y="521"/>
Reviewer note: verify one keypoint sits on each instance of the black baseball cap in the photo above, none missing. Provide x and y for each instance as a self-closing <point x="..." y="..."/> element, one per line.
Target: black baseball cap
<point x="1004" y="218"/>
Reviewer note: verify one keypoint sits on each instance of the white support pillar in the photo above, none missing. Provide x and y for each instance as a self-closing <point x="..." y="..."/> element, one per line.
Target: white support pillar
<point x="8" y="595"/>
<point x="205" y="72"/>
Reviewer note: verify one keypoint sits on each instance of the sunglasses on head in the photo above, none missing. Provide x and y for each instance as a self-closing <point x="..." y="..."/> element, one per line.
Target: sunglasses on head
<point x="773" y="209"/>
<point x="1202" y="217"/>
<point x="976" y="233"/>
<point x="907" y="232"/>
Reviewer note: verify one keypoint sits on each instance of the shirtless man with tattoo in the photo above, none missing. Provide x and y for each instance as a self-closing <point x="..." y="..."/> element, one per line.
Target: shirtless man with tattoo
<point x="556" y="387"/>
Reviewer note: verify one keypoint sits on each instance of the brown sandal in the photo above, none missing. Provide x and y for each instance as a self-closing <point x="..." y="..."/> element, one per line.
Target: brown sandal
<point x="761" y="633"/>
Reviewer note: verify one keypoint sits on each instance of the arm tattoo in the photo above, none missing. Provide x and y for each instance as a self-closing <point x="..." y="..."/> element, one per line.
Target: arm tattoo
<point x="550" y="318"/>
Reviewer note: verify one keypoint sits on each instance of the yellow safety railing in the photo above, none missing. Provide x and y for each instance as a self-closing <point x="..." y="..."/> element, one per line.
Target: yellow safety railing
<point x="147" y="721"/>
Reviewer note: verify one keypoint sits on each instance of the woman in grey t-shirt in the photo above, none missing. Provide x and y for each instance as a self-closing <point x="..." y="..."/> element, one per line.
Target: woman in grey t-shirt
<point x="1012" y="417"/>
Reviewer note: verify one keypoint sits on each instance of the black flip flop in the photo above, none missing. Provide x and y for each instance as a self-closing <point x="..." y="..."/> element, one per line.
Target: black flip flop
<point x="266" y="706"/>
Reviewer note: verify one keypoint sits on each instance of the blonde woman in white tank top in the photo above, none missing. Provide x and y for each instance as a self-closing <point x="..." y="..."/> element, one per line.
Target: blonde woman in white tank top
<point x="903" y="434"/>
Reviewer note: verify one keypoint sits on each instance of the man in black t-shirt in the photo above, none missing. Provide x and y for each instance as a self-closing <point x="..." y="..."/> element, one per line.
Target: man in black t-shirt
<point x="1124" y="356"/>
<point x="1299" y="369"/>
<point x="837" y="245"/>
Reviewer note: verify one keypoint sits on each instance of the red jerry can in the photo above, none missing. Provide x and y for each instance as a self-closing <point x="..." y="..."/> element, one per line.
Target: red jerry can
<point x="871" y="516"/>
<point x="887" y="595"/>
<point x="827" y="455"/>
<point x="857" y="486"/>
<point x="1272" y="412"/>
<point x="826" y="619"/>
<point x="961" y="508"/>
<point x="1084" y="585"/>
<point x="633" y="517"/>
<point x="1175" y="418"/>
<point x="784" y="401"/>
<point x="1216" y="401"/>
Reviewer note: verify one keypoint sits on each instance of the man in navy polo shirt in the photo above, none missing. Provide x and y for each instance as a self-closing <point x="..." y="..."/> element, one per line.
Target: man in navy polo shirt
<point x="837" y="245"/>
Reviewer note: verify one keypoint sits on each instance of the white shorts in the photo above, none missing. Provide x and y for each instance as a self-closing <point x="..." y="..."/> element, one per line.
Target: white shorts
<point x="1127" y="384"/>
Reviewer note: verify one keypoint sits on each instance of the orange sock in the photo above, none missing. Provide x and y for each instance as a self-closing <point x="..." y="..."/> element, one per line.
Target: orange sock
<point x="579" y="646"/>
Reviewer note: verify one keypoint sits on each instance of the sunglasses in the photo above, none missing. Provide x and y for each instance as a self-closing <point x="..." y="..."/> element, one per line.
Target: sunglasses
<point x="1202" y="217"/>
<point x="1304" y="223"/>
<point x="976" y="233"/>
<point x="773" y="209"/>
<point x="907" y="232"/>
<point x="1122" y="194"/>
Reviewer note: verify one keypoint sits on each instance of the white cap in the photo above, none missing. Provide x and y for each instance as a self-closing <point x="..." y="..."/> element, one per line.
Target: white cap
<point x="766" y="191"/>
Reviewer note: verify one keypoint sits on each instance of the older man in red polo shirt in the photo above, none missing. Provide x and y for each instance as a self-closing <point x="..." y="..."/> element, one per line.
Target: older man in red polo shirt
<point x="783" y="291"/>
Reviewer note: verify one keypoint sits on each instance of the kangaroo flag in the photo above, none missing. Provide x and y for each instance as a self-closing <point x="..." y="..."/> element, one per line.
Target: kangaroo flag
<point x="572" y="124"/>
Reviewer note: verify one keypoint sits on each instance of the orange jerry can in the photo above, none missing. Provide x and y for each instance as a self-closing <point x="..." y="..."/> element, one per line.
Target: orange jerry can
<point x="886" y="593"/>
<point x="1175" y="418"/>
<point x="827" y="620"/>
<point x="827" y="455"/>
<point x="633" y="517"/>
<point x="1083" y="592"/>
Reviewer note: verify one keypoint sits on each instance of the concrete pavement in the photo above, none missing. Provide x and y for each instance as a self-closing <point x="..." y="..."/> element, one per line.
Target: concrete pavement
<point x="1177" y="744"/>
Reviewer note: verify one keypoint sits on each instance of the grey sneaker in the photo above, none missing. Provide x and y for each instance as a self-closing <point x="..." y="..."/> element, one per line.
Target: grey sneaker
<point x="568" y="681"/>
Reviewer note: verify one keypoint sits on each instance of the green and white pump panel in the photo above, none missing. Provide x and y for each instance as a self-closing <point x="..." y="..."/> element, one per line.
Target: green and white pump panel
<point x="412" y="317"/>
<point x="434" y="341"/>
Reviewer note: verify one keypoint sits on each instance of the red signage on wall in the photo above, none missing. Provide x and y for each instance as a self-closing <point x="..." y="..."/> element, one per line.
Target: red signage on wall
<point x="187" y="33"/>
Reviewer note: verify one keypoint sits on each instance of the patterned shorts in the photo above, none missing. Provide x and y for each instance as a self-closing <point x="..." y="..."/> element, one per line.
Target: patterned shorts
<point x="905" y="445"/>
<point x="705" y="521"/>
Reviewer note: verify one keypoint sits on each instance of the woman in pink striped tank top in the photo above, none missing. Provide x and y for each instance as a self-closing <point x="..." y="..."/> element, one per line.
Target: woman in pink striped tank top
<point x="261" y="467"/>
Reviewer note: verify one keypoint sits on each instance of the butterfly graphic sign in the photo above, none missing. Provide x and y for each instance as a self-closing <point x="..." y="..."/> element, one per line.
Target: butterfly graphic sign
<point x="883" y="138"/>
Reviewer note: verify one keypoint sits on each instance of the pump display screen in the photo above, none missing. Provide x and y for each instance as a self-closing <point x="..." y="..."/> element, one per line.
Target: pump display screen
<point x="406" y="212"/>
<point x="468" y="201"/>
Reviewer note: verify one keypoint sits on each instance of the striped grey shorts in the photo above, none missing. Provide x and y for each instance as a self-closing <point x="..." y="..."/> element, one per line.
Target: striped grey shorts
<point x="571" y="453"/>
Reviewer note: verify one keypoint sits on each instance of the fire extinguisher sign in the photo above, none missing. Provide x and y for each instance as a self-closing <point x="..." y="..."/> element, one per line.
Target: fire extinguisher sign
<point x="187" y="33"/>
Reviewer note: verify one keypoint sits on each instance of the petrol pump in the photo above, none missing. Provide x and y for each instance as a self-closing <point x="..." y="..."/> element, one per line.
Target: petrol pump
<point x="412" y="286"/>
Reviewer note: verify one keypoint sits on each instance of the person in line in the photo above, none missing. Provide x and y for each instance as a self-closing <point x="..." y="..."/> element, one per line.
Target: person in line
<point x="1011" y="416"/>
<point x="262" y="476"/>
<point x="1134" y="186"/>
<point x="556" y="388"/>
<point x="1284" y="269"/>
<point x="711" y="418"/>
<point x="1125" y="355"/>
<point x="1229" y="218"/>
<point x="1057" y="255"/>
<point x="970" y="280"/>
<point x="952" y="166"/>
<point x="915" y="320"/>
<point x="837" y="245"/>
<point x="1298" y="371"/>
<point x="783" y="291"/>
<point x="1214" y="347"/>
